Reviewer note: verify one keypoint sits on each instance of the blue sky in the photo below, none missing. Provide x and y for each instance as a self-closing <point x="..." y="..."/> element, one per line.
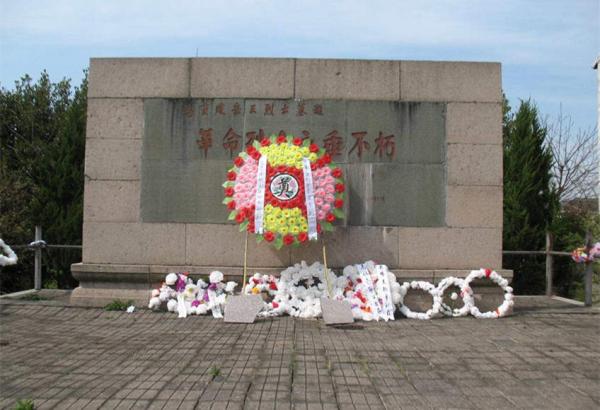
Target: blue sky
<point x="546" y="48"/>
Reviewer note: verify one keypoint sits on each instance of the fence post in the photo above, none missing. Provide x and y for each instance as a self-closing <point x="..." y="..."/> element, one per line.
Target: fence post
<point x="589" y="271"/>
<point x="37" y="279"/>
<point x="549" y="264"/>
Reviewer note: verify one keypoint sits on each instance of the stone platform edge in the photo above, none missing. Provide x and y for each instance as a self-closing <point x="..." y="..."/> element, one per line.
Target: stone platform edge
<point x="100" y="284"/>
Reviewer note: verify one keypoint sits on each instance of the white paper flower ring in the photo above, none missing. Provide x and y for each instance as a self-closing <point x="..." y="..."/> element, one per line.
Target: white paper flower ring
<point x="465" y="295"/>
<point x="10" y="257"/>
<point x="504" y="309"/>
<point x="426" y="287"/>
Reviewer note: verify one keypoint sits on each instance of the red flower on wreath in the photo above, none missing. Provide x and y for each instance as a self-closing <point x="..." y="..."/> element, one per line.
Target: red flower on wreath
<point x="285" y="217"/>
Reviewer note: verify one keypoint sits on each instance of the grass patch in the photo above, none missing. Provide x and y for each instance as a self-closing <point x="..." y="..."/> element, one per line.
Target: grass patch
<point x="34" y="297"/>
<point x="118" y="305"/>
<point x="24" y="405"/>
<point x="215" y="373"/>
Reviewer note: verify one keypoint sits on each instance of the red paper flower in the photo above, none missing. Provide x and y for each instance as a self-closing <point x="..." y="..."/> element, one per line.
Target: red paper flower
<point x="275" y="305"/>
<point x="272" y="286"/>
<point x="284" y="188"/>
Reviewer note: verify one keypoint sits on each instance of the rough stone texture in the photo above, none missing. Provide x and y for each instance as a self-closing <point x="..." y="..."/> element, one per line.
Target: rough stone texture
<point x="180" y="182"/>
<point x="113" y="159"/>
<point x="474" y="206"/>
<point x="474" y="123"/>
<point x="242" y="309"/>
<point x="450" y="81"/>
<point x="89" y="358"/>
<point x="139" y="77"/>
<point x="98" y="296"/>
<point x="422" y="248"/>
<point x="353" y="244"/>
<point x="470" y="100"/>
<point x="348" y="79"/>
<point x="250" y="77"/>
<point x="223" y="245"/>
<point x="111" y="201"/>
<point x="470" y="164"/>
<point x="115" y="118"/>
<point x="133" y="243"/>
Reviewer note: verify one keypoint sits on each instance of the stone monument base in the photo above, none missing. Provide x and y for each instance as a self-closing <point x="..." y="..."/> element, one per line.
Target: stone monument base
<point x="100" y="284"/>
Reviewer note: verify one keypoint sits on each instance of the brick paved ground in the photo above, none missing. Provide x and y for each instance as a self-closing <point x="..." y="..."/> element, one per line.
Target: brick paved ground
<point x="76" y="358"/>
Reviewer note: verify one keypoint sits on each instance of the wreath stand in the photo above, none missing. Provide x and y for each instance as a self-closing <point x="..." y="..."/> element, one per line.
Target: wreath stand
<point x="335" y="312"/>
<point x="243" y="308"/>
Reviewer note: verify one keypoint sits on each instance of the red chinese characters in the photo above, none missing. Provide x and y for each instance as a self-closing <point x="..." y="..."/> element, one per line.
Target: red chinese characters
<point x="205" y="140"/>
<point x="385" y="145"/>
<point x="360" y="145"/>
<point x="333" y="143"/>
<point x="231" y="142"/>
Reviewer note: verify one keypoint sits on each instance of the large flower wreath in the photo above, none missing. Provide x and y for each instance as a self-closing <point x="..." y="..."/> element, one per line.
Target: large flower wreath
<point x="303" y="190"/>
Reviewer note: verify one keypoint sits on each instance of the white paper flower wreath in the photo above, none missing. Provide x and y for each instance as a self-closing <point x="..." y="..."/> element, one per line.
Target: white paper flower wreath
<point x="465" y="295"/>
<point x="429" y="288"/>
<point x="10" y="258"/>
<point x="504" y="309"/>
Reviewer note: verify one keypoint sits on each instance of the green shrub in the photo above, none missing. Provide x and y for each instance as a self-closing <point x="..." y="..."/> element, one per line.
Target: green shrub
<point x="118" y="305"/>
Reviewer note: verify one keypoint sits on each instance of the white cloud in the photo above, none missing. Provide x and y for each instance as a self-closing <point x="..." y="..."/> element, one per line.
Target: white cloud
<point x="510" y="31"/>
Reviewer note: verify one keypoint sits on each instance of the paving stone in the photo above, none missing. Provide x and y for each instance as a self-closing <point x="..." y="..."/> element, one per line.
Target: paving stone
<point x="89" y="358"/>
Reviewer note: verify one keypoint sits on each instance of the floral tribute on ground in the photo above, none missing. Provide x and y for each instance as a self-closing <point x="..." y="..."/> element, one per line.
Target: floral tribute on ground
<point x="9" y="257"/>
<point x="284" y="189"/>
<point x="372" y="291"/>
<point x="583" y="255"/>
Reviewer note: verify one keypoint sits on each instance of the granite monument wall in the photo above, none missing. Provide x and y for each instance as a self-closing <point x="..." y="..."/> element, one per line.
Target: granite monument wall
<point x="429" y="205"/>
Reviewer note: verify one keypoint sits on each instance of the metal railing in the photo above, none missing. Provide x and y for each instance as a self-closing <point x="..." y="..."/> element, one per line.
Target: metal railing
<point x="550" y="254"/>
<point x="37" y="245"/>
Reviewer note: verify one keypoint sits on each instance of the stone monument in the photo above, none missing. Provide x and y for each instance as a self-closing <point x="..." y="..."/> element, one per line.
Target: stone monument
<point x="420" y="143"/>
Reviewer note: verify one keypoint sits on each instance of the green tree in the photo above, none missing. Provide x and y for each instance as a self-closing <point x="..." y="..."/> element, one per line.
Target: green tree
<point x="42" y="138"/>
<point x="529" y="200"/>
